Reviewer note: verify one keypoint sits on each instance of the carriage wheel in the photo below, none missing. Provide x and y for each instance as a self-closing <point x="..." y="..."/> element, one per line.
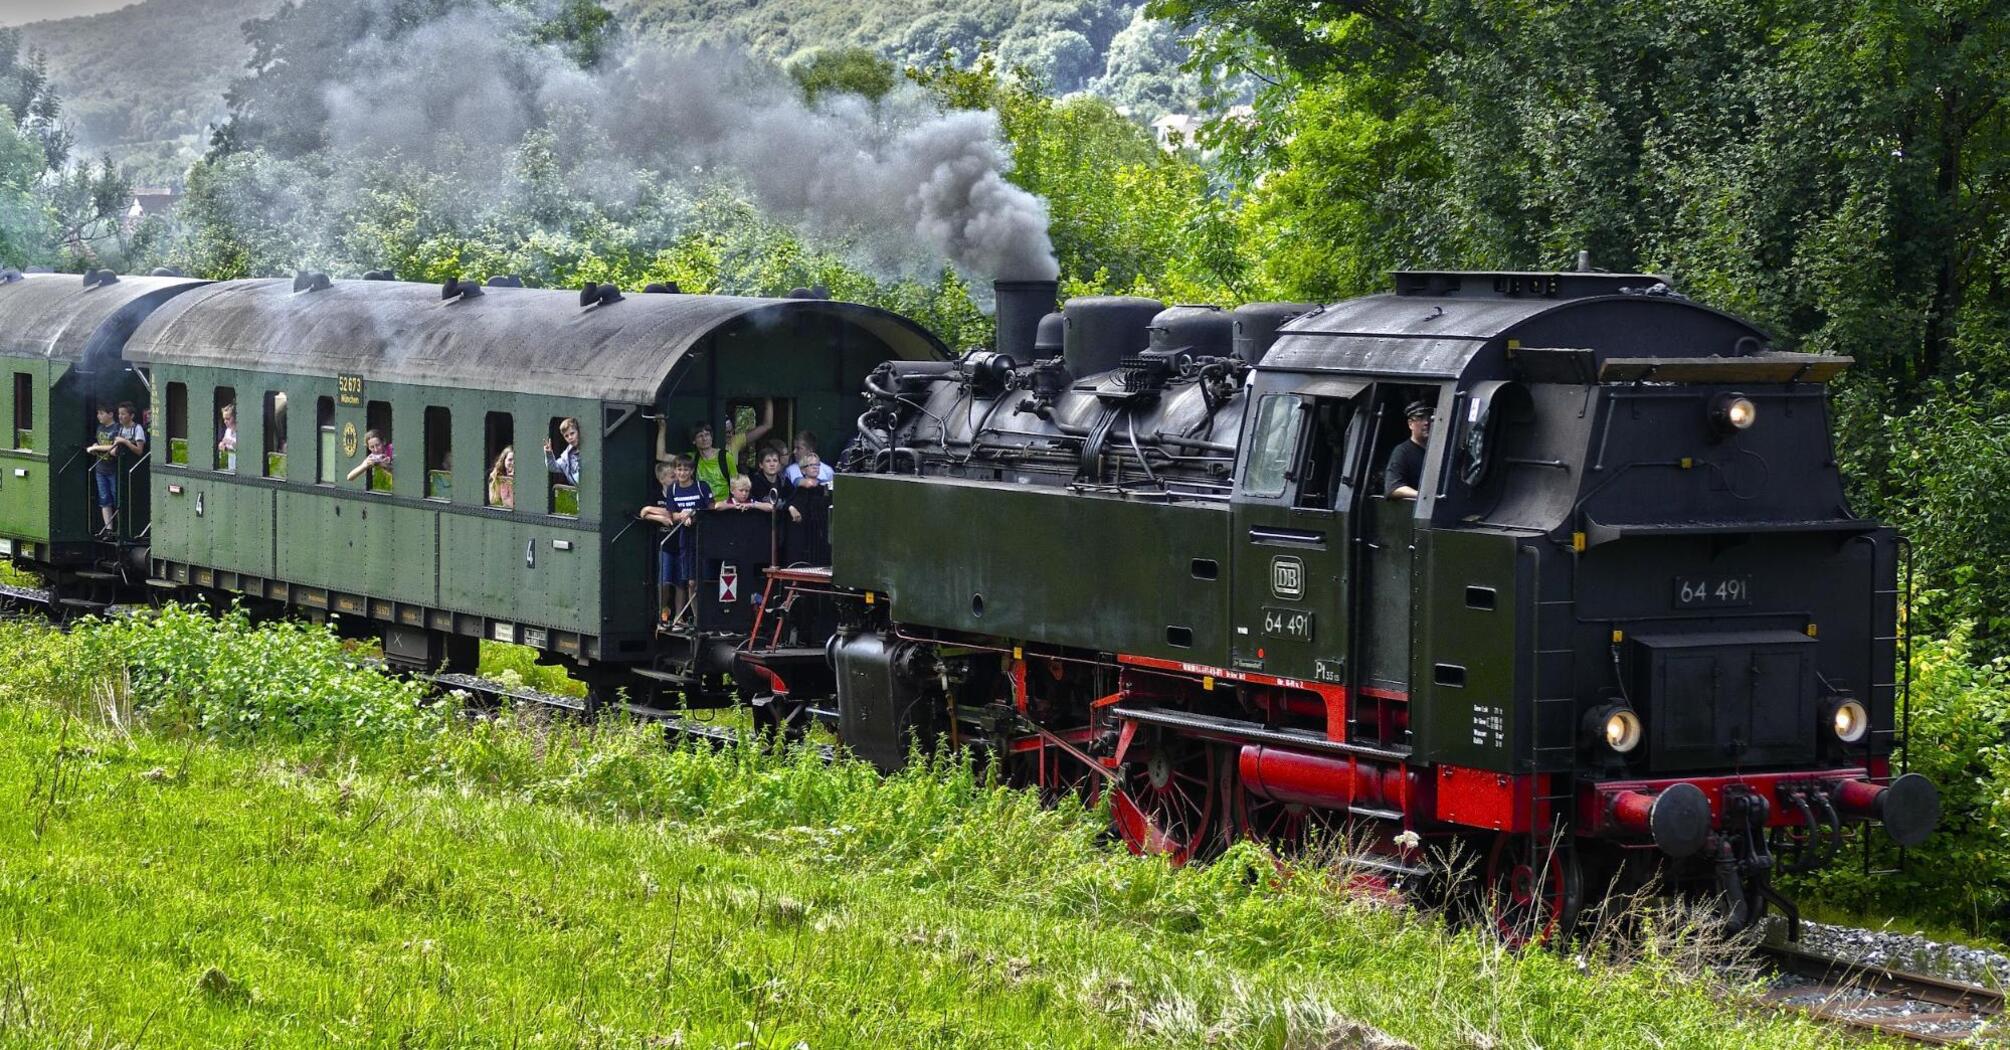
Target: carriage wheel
<point x="1533" y="892"/>
<point x="1169" y="803"/>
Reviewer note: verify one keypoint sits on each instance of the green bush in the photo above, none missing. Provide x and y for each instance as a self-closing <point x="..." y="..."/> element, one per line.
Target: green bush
<point x="221" y="677"/>
<point x="1961" y="876"/>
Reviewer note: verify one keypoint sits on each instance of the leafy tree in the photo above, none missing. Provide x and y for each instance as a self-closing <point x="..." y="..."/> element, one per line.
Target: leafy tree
<point x="88" y="207"/>
<point x="26" y="91"/>
<point x="845" y="71"/>
<point x="1142" y="71"/>
<point x="22" y="217"/>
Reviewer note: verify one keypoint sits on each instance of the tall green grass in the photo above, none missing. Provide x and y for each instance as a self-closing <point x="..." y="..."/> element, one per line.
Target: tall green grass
<point x="233" y="836"/>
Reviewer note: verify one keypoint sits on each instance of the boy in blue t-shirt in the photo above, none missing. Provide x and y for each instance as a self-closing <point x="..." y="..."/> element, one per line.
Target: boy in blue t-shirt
<point x="105" y="471"/>
<point x="677" y="553"/>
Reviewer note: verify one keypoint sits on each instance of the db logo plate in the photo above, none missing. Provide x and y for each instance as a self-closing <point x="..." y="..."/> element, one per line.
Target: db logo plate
<point x="1287" y="577"/>
<point x="729" y="584"/>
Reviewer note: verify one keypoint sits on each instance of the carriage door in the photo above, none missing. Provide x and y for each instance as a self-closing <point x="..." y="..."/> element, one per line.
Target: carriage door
<point x="1291" y="543"/>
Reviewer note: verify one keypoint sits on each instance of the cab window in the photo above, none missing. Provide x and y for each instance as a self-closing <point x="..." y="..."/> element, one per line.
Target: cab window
<point x="1322" y="476"/>
<point x="1271" y="445"/>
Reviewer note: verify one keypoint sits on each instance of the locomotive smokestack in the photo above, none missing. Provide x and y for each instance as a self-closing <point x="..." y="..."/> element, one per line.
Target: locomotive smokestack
<point x="1021" y="304"/>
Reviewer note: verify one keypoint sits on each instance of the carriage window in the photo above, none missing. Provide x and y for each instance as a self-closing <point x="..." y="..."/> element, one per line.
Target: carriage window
<point x="324" y="438"/>
<point x="500" y="453"/>
<point x="177" y="423"/>
<point x="564" y="464"/>
<point x="274" y="418"/>
<point x="377" y="418"/>
<point x="1276" y="437"/>
<point x="224" y="441"/>
<point x="24" y="411"/>
<point x="439" y="453"/>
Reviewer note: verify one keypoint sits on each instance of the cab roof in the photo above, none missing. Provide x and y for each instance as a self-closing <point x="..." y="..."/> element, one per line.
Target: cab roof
<point x="524" y="340"/>
<point x="1443" y="325"/>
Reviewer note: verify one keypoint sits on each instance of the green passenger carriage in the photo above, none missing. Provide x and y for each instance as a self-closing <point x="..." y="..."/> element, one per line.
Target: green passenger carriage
<point x="424" y="553"/>
<point x="61" y="340"/>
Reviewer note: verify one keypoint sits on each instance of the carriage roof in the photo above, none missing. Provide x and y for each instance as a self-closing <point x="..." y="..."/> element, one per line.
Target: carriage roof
<point x="513" y="339"/>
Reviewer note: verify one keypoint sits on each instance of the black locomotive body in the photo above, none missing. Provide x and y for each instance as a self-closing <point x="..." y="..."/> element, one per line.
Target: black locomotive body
<point x="1629" y="615"/>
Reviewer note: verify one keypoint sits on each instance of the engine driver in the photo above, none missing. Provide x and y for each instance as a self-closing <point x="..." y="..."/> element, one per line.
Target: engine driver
<point x="1405" y="469"/>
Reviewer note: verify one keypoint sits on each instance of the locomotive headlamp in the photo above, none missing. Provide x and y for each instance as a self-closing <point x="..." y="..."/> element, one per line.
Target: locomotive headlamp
<point x="1850" y="721"/>
<point x="1734" y="412"/>
<point x="1617" y="726"/>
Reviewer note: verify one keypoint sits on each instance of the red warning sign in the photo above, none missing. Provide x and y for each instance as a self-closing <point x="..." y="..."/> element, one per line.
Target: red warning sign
<point x="729" y="584"/>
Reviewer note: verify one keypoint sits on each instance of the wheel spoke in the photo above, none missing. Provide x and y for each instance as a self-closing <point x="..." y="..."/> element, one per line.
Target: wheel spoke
<point x="1174" y="791"/>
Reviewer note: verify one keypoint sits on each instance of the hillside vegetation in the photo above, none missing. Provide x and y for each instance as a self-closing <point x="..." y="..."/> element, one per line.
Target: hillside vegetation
<point x="146" y="80"/>
<point x="229" y="836"/>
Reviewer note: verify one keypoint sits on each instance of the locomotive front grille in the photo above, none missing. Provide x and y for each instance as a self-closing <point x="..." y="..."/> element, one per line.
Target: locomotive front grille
<point x="1726" y="700"/>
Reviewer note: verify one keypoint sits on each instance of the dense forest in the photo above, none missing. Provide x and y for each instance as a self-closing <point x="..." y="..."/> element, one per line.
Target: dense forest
<point x="1838" y="172"/>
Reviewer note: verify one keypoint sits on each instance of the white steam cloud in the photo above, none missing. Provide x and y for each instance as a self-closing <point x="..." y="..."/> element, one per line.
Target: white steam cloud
<point x="905" y="183"/>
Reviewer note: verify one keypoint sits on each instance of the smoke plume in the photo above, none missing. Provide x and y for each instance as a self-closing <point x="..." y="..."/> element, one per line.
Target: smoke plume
<point x="904" y="183"/>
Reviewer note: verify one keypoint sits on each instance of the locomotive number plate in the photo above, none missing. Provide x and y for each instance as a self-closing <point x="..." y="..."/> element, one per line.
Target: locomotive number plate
<point x="1693" y="592"/>
<point x="1295" y="624"/>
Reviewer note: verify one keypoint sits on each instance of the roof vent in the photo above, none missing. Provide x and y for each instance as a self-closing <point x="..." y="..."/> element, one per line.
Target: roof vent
<point x="816" y="291"/>
<point x="599" y="294"/>
<point x="10" y="275"/>
<point x="661" y="288"/>
<point x="94" y="278"/>
<point x="504" y="280"/>
<point x="163" y="271"/>
<point x="455" y="288"/>
<point x="380" y="275"/>
<point x="306" y="281"/>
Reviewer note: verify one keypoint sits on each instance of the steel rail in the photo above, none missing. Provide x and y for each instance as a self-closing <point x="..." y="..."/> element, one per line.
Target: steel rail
<point x="1882" y="999"/>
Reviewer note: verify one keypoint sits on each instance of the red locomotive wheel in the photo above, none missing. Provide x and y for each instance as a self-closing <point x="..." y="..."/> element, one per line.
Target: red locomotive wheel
<point x="1288" y="828"/>
<point x="1532" y="894"/>
<point x="1057" y="775"/>
<point x="1168" y="803"/>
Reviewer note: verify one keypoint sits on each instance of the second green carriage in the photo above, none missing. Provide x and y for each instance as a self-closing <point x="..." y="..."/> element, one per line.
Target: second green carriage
<point x="428" y="553"/>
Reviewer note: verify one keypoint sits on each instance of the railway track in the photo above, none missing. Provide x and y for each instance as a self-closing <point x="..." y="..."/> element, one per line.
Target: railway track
<point x="1866" y="997"/>
<point x="675" y="725"/>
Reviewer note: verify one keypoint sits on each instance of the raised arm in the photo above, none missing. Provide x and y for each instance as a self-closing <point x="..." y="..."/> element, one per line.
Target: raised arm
<point x="766" y="424"/>
<point x="663" y="454"/>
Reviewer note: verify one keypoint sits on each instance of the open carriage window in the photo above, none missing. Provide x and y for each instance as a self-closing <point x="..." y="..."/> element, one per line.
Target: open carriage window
<point x="325" y="448"/>
<point x="24" y="411"/>
<point x="274" y="418"/>
<point x="377" y="417"/>
<point x="563" y="460"/>
<point x="439" y="453"/>
<point x="177" y="423"/>
<point x="224" y="426"/>
<point x="499" y="451"/>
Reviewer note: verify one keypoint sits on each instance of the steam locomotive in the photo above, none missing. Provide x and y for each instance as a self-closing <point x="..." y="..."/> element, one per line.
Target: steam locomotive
<point x="1628" y="628"/>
